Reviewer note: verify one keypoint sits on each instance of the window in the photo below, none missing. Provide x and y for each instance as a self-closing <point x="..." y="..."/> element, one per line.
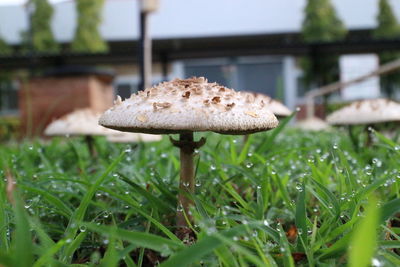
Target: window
<point x="8" y="97"/>
<point x="262" y="75"/>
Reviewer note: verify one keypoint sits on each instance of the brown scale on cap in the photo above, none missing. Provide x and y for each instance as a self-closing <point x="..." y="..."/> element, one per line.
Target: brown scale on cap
<point x="230" y="106"/>
<point x="161" y="105"/>
<point x="216" y="99"/>
<point x="186" y="94"/>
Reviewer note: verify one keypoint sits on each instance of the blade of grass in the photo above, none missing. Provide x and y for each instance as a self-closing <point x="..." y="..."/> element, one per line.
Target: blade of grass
<point x="364" y="240"/>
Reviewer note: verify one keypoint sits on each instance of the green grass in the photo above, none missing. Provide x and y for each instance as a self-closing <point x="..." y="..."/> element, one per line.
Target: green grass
<point x="285" y="198"/>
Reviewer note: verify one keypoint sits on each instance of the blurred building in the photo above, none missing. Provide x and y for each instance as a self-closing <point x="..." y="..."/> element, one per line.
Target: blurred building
<point x="247" y="45"/>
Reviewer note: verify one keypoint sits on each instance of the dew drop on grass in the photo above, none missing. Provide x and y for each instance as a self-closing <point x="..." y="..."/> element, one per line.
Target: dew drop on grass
<point x="273" y="172"/>
<point x="198" y="184"/>
<point x="265" y="222"/>
<point x="128" y="149"/>
<point x="98" y="194"/>
<point x="376" y="263"/>
<point x="235" y="141"/>
<point x="245" y="222"/>
<point x="335" y="146"/>
<point x="397" y="148"/>
<point x="249" y="154"/>
<point x="69" y="240"/>
<point x="106" y="241"/>
<point x="82" y="228"/>
<point x="164" y="155"/>
<point x="30" y="147"/>
<point x="235" y="238"/>
<point x="299" y="187"/>
<point x="213" y="167"/>
<point x="249" y="165"/>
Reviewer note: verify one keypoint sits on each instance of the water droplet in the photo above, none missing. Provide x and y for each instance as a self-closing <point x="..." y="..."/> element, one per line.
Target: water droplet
<point x="69" y="240"/>
<point x="245" y="222"/>
<point x="249" y="154"/>
<point x="265" y="222"/>
<point x="82" y="228"/>
<point x="213" y="167"/>
<point x="397" y="148"/>
<point x="249" y="165"/>
<point x="235" y="238"/>
<point x="335" y="146"/>
<point x="106" y="241"/>
<point x="376" y="263"/>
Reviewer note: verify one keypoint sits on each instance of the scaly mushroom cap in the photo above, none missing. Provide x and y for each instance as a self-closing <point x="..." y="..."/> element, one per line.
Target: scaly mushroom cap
<point x="313" y="124"/>
<point x="366" y="112"/>
<point x="189" y="105"/>
<point x="123" y="137"/>
<point x="273" y="105"/>
<point x="79" y="122"/>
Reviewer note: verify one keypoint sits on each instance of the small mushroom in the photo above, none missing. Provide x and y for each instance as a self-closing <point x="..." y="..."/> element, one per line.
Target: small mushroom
<point x="366" y="112"/>
<point x="198" y="112"/>
<point x="81" y="122"/>
<point x="275" y="106"/>
<point x="313" y="124"/>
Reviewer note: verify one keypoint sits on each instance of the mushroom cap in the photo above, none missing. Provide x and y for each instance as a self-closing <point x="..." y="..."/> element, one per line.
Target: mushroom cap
<point x="367" y="111"/>
<point x="189" y="105"/>
<point x="78" y="122"/>
<point x="273" y="105"/>
<point x="313" y="124"/>
<point x="122" y="137"/>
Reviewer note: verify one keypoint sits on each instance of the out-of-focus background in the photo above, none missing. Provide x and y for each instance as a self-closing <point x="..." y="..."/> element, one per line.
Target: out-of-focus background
<point x="56" y="56"/>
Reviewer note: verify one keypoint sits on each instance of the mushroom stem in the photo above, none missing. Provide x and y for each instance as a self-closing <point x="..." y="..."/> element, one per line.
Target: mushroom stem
<point x="186" y="184"/>
<point x="187" y="145"/>
<point x="90" y="143"/>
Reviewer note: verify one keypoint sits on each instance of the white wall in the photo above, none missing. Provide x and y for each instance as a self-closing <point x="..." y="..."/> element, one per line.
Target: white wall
<point x="191" y="18"/>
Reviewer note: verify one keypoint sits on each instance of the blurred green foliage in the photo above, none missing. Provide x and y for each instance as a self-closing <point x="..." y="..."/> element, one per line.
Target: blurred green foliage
<point x="388" y="28"/>
<point x="5" y="49"/>
<point x="42" y="36"/>
<point x="87" y="37"/>
<point x="321" y="24"/>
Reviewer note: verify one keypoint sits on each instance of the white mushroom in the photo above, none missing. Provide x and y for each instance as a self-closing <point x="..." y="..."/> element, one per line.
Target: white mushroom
<point x="313" y="124"/>
<point x="184" y="107"/>
<point x="275" y="106"/>
<point x="369" y="111"/>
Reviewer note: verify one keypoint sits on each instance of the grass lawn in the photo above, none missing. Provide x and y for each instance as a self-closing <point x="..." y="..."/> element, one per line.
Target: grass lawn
<point x="284" y="198"/>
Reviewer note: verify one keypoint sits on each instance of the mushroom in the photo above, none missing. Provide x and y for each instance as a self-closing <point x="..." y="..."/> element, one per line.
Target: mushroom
<point x="185" y="106"/>
<point x="366" y="112"/>
<point x="275" y="106"/>
<point x="81" y="122"/>
<point x="313" y="124"/>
